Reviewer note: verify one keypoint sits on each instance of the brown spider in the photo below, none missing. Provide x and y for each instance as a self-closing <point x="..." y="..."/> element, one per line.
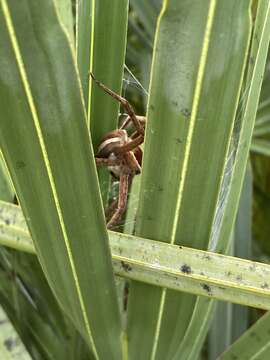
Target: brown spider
<point x="121" y="153"/>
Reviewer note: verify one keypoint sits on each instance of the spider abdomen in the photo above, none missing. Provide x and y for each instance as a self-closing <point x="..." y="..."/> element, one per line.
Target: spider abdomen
<point x="111" y="141"/>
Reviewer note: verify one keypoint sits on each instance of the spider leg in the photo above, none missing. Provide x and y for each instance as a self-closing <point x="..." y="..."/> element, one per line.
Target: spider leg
<point x="141" y="119"/>
<point x="122" y="201"/>
<point x="126" y="122"/>
<point x="111" y="208"/>
<point x="124" y="103"/>
<point x="113" y="205"/>
<point x="106" y="162"/>
<point x="129" y="146"/>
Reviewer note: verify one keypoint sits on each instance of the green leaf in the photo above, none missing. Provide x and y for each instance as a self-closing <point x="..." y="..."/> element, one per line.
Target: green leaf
<point x="262" y="125"/>
<point x="32" y="308"/>
<point x="175" y="267"/>
<point x="245" y="124"/>
<point x="260" y="146"/>
<point x="6" y="188"/>
<point x="253" y="344"/>
<point x="147" y="12"/>
<point x="220" y="333"/>
<point x="130" y="218"/>
<point x="242" y="246"/>
<point x="101" y="47"/>
<point x="231" y="320"/>
<point x="239" y="146"/>
<point x="26" y="315"/>
<point x="46" y="145"/>
<point x="11" y="346"/>
<point x="14" y="229"/>
<point x="262" y="130"/>
<point x="195" y="86"/>
<point x="64" y="8"/>
<point x="107" y="56"/>
<point x="84" y="24"/>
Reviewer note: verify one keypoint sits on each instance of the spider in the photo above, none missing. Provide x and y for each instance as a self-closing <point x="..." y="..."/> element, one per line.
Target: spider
<point x="121" y="153"/>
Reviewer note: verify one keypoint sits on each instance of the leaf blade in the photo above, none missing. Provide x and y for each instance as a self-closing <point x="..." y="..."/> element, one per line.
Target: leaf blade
<point x="176" y="267"/>
<point x="57" y="144"/>
<point x="188" y="105"/>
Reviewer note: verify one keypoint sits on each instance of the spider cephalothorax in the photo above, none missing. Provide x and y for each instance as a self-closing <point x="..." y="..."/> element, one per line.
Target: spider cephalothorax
<point x="127" y="162"/>
<point x="121" y="153"/>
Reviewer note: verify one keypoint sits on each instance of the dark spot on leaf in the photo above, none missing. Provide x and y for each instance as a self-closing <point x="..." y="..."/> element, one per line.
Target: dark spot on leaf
<point x="239" y="277"/>
<point x="186" y="112"/>
<point x="178" y="140"/>
<point x="126" y="266"/>
<point x="175" y="103"/>
<point x="186" y="269"/>
<point x="7" y="221"/>
<point x="180" y="247"/>
<point x="222" y="288"/>
<point x="20" y="164"/>
<point x="265" y="286"/>
<point x="206" y="288"/>
<point x="252" y="267"/>
<point x="151" y="107"/>
<point x="9" y="344"/>
<point x="207" y="257"/>
<point x="255" y="336"/>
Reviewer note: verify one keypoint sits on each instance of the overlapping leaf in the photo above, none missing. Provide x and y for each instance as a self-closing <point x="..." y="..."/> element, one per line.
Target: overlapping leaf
<point x="47" y="148"/>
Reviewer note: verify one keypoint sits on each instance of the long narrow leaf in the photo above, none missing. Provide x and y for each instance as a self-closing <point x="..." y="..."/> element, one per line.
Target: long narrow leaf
<point x="253" y="344"/>
<point x="107" y="56"/>
<point x="175" y="267"/>
<point x="101" y="47"/>
<point x="84" y="18"/>
<point x="258" y="53"/>
<point x="64" y="8"/>
<point x="199" y="102"/>
<point x="237" y="160"/>
<point x="46" y="145"/>
<point x="11" y="346"/>
<point x="231" y="320"/>
<point x="260" y="146"/>
<point x="6" y="189"/>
